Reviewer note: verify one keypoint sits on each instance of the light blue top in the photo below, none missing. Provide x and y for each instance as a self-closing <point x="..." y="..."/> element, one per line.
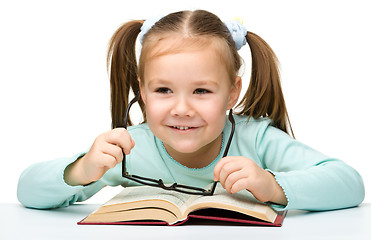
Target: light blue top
<point x="310" y="180"/>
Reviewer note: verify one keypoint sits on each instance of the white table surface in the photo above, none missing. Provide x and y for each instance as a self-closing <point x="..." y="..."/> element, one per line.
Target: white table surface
<point x="17" y="222"/>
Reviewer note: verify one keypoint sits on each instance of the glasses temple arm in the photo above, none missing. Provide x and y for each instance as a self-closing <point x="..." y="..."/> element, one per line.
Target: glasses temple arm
<point x="231" y="119"/>
<point x="124" y="172"/>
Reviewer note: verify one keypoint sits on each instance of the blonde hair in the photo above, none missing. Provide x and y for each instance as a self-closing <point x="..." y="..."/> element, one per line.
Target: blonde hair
<point x="263" y="98"/>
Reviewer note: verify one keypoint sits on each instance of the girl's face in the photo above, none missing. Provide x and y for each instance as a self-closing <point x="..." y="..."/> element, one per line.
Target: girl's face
<point x="186" y="97"/>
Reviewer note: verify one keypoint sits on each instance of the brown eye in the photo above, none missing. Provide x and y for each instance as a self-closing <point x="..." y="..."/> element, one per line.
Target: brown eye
<point x="163" y="90"/>
<point x="201" y="91"/>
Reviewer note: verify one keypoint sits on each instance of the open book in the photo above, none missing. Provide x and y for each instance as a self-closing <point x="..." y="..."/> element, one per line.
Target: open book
<point x="149" y="205"/>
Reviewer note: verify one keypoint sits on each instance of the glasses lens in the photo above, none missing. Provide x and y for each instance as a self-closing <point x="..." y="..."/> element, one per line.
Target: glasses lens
<point x="173" y="186"/>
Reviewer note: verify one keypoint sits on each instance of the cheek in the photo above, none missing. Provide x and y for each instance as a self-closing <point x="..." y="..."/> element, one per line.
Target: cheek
<point x="215" y="113"/>
<point x="217" y="105"/>
<point x="154" y="111"/>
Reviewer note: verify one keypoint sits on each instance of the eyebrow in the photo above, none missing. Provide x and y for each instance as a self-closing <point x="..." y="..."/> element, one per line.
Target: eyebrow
<point x="158" y="81"/>
<point x="197" y="82"/>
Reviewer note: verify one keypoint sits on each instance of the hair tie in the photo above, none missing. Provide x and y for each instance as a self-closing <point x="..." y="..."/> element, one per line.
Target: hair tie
<point x="238" y="32"/>
<point x="147" y="25"/>
<point x="235" y="27"/>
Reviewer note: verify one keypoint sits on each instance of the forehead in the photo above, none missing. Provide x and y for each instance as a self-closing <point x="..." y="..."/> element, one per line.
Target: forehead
<point x="157" y="45"/>
<point x="189" y="66"/>
<point x="165" y="44"/>
<point x="177" y="43"/>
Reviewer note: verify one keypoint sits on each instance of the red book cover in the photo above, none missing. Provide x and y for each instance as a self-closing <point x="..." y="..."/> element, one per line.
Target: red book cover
<point x="207" y="217"/>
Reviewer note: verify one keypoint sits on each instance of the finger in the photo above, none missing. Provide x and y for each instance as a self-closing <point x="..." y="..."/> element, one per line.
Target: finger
<point x="236" y="181"/>
<point x="240" y="184"/>
<point x="121" y="137"/>
<point x="107" y="160"/>
<point x="228" y="169"/>
<point x="219" y="166"/>
<point x="113" y="150"/>
<point x="231" y="179"/>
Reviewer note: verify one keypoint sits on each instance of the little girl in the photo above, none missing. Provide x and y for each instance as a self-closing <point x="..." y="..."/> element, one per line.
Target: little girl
<point x="187" y="78"/>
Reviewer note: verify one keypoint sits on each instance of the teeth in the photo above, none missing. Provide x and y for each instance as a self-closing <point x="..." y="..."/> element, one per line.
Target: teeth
<point x="182" y="128"/>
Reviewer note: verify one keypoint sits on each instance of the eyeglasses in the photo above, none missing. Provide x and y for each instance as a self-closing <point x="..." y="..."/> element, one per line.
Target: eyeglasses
<point x="174" y="186"/>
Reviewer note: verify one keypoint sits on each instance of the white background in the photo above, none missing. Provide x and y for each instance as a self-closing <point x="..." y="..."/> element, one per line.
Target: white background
<point x="54" y="87"/>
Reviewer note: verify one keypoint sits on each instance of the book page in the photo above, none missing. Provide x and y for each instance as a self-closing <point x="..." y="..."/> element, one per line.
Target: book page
<point x="242" y="201"/>
<point x="144" y="201"/>
<point x="243" y="198"/>
<point x="140" y="193"/>
<point x="147" y="196"/>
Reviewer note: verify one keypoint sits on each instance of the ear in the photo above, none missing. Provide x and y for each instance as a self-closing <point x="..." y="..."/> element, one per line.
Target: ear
<point x="141" y="91"/>
<point x="234" y="93"/>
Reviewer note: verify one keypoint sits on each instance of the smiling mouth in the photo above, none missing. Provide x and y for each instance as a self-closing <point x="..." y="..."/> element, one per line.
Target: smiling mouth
<point x="182" y="127"/>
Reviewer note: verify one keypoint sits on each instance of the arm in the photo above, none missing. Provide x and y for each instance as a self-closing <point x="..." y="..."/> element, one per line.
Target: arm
<point x="42" y="185"/>
<point x="310" y="180"/>
<point x="64" y="181"/>
<point x="276" y="168"/>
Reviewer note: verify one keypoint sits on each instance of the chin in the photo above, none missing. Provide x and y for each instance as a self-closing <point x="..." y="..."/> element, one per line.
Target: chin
<point x="184" y="148"/>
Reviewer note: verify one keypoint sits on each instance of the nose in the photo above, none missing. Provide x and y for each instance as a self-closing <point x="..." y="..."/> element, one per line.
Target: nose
<point x="182" y="107"/>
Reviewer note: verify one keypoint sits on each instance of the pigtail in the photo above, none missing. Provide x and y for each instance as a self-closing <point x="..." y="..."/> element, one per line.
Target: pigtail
<point x="121" y="60"/>
<point x="264" y="95"/>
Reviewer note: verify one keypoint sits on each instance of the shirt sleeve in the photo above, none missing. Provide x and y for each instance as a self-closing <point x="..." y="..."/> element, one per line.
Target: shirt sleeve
<point x="42" y="185"/>
<point x="309" y="179"/>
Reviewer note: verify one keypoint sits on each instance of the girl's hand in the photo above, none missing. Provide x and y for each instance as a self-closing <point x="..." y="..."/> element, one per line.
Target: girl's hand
<point x="105" y="154"/>
<point x="238" y="173"/>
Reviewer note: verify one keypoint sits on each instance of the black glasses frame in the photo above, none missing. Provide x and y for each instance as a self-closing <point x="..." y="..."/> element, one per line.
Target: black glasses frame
<point x="159" y="183"/>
